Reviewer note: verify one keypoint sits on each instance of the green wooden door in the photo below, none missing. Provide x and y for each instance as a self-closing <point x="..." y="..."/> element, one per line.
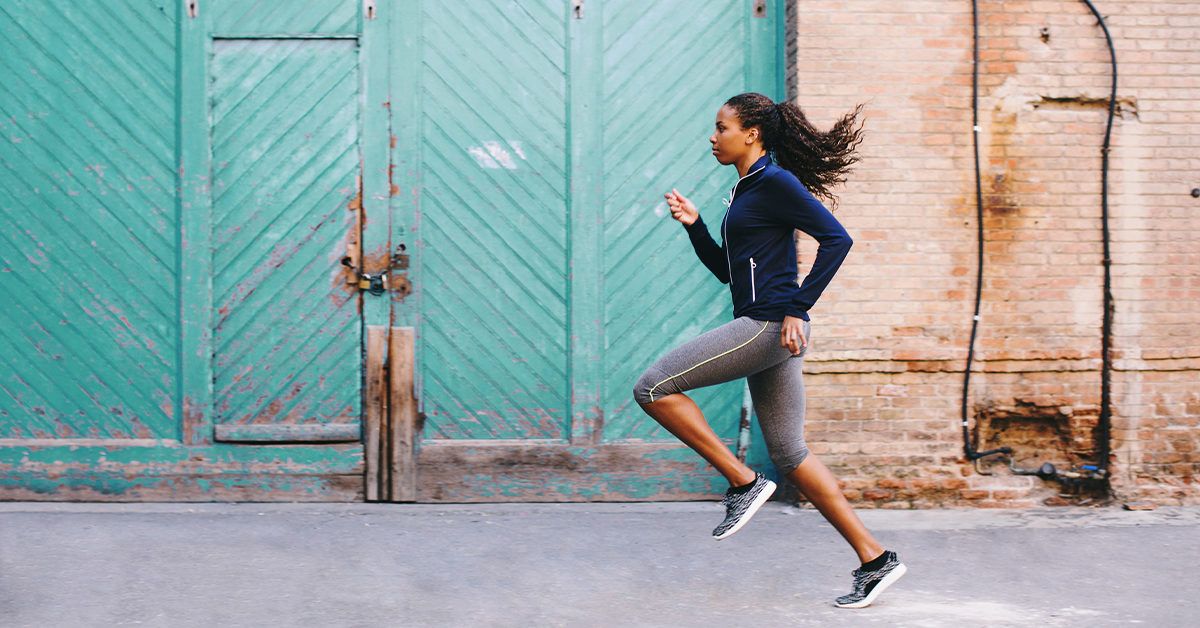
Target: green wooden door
<point x="285" y="161"/>
<point x="179" y="190"/>
<point x="535" y="140"/>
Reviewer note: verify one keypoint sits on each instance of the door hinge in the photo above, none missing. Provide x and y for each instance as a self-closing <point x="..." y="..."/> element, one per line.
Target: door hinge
<point x="577" y="9"/>
<point x="193" y="7"/>
<point x="369" y="9"/>
<point x="760" y="8"/>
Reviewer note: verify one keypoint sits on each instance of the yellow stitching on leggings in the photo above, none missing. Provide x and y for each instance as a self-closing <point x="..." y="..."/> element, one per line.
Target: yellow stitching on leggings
<point x="709" y="360"/>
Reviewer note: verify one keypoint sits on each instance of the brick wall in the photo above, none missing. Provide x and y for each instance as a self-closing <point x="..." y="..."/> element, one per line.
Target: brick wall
<point x="890" y="333"/>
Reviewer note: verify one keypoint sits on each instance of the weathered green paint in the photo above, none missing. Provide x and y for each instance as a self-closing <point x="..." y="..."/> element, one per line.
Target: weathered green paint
<point x="291" y="18"/>
<point x="658" y="115"/>
<point x="168" y="470"/>
<point x="538" y="304"/>
<point x="285" y="131"/>
<point x="165" y="455"/>
<point x="529" y="151"/>
<point x="656" y="293"/>
<point x="490" y="224"/>
<point x="87" y="249"/>
<point x="405" y="97"/>
<point x="193" y="399"/>
<point x="547" y="471"/>
<point x="585" y="258"/>
<point x="374" y="143"/>
<point x="175" y="195"/>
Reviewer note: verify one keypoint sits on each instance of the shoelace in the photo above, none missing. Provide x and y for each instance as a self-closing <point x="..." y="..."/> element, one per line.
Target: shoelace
<point x="860" y="578"/>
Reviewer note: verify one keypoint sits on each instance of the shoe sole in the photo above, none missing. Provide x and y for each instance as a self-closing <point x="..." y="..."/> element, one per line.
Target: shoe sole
<point x="761" y="499"/>
<point x="887" y="581"/>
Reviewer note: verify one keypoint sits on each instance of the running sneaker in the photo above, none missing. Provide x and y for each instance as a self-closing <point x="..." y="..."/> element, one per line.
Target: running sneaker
<point x="740" y="506"/>
<point x="869" y="584"/>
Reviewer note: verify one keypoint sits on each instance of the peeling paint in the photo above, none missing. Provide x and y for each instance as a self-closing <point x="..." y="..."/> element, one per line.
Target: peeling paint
<point x="494" y="156"/>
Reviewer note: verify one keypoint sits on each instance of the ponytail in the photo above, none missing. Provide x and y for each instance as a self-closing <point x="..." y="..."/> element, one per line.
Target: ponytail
<point x="820" y="160"/>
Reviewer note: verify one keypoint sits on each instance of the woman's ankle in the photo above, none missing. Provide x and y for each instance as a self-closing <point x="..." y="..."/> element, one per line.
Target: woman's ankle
<point x="739" y="480"/>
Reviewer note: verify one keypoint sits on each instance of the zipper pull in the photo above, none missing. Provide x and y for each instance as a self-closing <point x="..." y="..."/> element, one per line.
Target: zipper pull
<point x="729" y="201"/>
<point x="753" y="293"/>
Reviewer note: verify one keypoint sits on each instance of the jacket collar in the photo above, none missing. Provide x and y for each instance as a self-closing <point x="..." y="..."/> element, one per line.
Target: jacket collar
<point x="758" y="166"/>
<point x="762" y="161"/>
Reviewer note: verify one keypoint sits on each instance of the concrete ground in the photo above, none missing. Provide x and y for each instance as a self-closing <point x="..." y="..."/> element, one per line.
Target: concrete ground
<point x="248" y="564"/>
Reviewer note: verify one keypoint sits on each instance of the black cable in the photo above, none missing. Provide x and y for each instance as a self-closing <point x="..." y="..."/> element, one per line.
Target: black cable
<point x="966" y="430"/>
<point x="1104" y="426"/>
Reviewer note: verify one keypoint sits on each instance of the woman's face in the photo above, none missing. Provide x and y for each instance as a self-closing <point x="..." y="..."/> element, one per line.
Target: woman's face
<point x="729" y="140"/>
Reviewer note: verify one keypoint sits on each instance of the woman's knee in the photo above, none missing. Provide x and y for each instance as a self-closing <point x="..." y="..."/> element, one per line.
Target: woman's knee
<point x="787" y="458"/>
<point x="652" y="386"/>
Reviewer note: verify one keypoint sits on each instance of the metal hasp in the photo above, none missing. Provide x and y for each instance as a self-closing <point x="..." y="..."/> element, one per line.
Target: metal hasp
<point x="378" y="283"/>
<point x="375" y="283"/>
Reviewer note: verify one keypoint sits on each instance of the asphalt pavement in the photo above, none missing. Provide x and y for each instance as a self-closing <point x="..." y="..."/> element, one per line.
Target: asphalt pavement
<point x="647" y="564"/>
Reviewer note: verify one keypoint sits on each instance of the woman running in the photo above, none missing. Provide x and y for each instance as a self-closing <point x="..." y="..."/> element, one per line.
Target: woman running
<point x="769" y="334"/>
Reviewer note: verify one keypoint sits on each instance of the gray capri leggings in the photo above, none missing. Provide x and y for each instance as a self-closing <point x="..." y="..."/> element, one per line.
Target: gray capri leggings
<point x="743" y="347"/>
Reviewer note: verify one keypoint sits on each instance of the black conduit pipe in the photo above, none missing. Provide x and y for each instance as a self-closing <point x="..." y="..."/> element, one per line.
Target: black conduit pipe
<point x="970" y="452"/>
<point x="1104" y="424"/>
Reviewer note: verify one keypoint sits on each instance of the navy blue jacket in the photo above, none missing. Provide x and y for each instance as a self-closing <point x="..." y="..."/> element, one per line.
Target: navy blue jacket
<point x="757" y="250"/>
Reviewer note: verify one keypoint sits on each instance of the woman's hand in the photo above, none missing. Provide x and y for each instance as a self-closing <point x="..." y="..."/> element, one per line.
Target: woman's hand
<point x="682" y="208"/>
<point x="791" y="336"/>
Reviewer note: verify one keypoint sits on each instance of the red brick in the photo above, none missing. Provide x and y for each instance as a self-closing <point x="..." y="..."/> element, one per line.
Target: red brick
<point x="876" y="494"/>
<point x="893" y="324"/>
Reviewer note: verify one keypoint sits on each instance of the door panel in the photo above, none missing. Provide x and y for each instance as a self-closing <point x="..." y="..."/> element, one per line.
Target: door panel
<point x="287" y="333"/>
<point x="87" y="223"/>
<point x="656" y="293"/>
<point x="492" y="247"/>
<point x="290" y="17"/>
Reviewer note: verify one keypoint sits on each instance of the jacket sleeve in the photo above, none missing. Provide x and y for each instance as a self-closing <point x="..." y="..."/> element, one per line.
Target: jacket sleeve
<point x="707" y="250"/>
<point x="797" y="208"/>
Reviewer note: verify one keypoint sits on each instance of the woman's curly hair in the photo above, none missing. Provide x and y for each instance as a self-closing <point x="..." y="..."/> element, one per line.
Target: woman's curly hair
<point x="820" y="160"/>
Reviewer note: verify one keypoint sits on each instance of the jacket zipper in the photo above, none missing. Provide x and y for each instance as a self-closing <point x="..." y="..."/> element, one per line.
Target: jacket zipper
<point x="753" y="297"/>
<point x="725" y="231"/>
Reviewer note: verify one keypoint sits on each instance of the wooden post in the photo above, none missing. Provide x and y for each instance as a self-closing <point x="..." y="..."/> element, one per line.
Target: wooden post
<point x="402" y="408"/>
<point x="375" y="472"/>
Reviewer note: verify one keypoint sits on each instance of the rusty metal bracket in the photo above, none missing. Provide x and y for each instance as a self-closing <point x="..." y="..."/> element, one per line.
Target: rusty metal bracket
<point x="399" y="266"/>
<point x="400" y="258"/>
